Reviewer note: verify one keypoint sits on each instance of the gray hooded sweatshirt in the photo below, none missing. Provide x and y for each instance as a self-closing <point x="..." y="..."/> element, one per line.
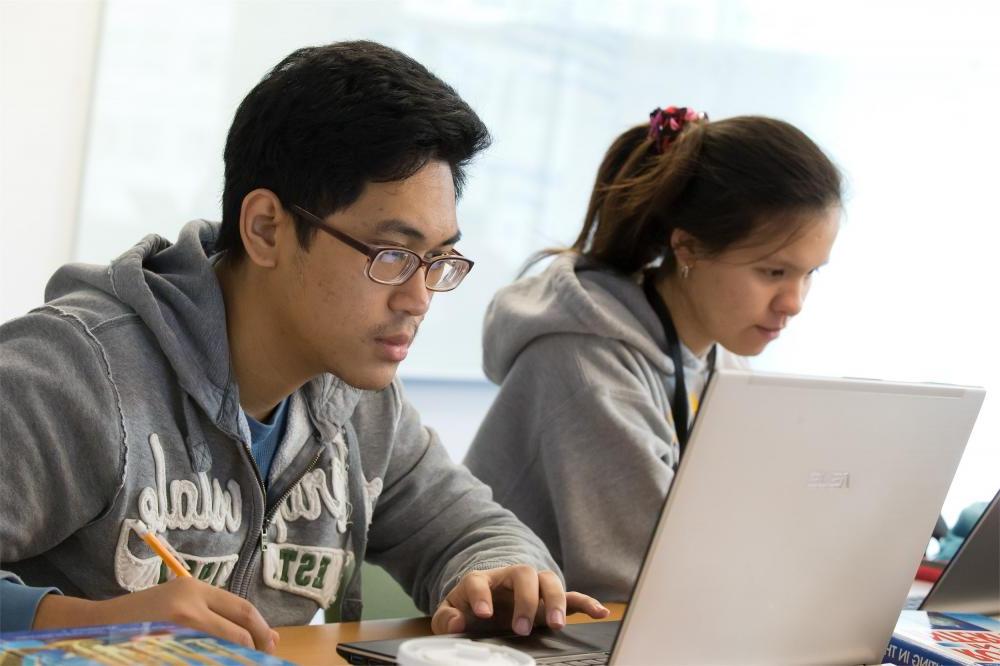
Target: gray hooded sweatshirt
<point x="580" y="442"/>
<point x="120" y="405"/>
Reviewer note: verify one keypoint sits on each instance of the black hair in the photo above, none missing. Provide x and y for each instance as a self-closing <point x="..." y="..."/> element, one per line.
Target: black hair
<point x="329" y="119"/>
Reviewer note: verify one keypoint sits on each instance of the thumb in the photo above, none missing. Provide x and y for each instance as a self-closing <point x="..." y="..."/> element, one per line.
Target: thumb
<point x="447" y="620"/>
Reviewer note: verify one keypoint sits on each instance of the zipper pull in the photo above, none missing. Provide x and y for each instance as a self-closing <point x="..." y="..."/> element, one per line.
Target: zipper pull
<point x="263" y="538"/>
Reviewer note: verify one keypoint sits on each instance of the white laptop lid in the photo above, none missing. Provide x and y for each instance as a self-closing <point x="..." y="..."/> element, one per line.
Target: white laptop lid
<point x="796" y="521"/>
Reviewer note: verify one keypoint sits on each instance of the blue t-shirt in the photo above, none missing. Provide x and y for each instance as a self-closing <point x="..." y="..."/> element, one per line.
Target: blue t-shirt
<point x="265" y="438"/>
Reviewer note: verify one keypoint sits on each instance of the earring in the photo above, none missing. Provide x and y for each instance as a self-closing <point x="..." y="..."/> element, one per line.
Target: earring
<point x="685" y="271"/>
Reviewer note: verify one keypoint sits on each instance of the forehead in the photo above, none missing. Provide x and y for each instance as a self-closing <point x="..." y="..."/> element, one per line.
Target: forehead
<point x="420" y="208"/>
<point x="807" y="244"/>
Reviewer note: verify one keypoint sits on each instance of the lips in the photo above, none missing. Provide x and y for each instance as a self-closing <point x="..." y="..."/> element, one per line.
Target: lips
<point x="402" y="339"/>
<point x="394" y="348"/>
<point x="769" y="333"/>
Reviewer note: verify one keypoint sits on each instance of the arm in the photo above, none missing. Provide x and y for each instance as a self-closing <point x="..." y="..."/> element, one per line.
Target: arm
<point x="18" y="603"/>
<point x="579" y="443"/>
<point x="63" y="468"/>
<point x="437" y="530"/>
<point x="434" y="521"/>
<point x="63" y="438"/>
<point x="63" y="456"/>
<point x="607" y="467"/>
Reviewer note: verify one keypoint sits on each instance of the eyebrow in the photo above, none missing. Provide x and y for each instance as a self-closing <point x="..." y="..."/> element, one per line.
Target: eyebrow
<point x="793" y="266"/>
<point x="402" y="228"/>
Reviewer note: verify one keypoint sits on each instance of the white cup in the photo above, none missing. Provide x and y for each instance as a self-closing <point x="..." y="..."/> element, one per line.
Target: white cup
<point x="444" y="651"/>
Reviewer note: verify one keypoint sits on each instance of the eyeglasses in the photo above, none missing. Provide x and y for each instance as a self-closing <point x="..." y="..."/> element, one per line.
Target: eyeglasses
<point x="396" y="265"/>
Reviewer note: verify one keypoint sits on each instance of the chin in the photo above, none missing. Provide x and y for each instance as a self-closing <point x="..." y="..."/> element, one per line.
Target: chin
<point x="373" y="385"/>
<point x="744" y="348"/>
<point x="367" y="381"/>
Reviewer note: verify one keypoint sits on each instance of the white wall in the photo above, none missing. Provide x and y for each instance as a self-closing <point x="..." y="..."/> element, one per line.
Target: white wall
<point x="47" y="55"/>
<point x="452" y="408"/>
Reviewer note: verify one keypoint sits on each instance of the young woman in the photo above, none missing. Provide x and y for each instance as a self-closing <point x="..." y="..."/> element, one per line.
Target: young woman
<point x="699" y="246"/>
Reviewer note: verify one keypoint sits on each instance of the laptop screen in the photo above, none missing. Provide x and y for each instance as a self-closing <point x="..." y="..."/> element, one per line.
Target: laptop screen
<point x="966" y="504"/>
<point x="969" y="553"/>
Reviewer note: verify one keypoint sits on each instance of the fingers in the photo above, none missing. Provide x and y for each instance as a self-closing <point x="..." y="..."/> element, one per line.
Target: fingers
<point x="447" y="619"/>
<point x="245" y="615"/>
<point x="476" y="593"/>
<point x="581" y="603"/>
<point x="523" y="581"/>
<point x="528" y="595"/>
<point x="219" y="626"/>
<point x="553" y="598"/>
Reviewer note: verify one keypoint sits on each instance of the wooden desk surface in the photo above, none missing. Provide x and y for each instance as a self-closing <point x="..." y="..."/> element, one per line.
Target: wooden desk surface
<point x="317" y="644"/>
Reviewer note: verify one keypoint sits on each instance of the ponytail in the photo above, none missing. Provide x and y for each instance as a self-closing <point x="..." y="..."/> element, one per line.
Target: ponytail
<point x="722" y="182"/>
<point x="626" y="226"/>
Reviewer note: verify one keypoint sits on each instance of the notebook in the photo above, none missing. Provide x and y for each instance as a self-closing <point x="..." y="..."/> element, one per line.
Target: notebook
<point x="792" y="530"/>
<point x="970" y="581"/>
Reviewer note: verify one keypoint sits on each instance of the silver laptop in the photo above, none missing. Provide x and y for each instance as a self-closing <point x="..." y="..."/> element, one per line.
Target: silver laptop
<point x="970" y="580"/>
<point x="792" y="530"/>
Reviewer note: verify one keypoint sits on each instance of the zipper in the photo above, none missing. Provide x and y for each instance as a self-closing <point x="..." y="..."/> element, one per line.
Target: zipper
<point x="244" y="588"/>
<point x="266" y="523"/>
<point x="251" y="571"/>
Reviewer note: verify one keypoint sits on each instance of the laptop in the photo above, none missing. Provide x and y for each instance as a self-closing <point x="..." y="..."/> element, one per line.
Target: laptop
<point x="791" y="532"/>
<point x="970" y="580"/>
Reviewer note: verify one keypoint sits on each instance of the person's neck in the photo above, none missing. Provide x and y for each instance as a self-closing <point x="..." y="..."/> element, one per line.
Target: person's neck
<point x="683" y="315"/>
<point x="261" y="356"/>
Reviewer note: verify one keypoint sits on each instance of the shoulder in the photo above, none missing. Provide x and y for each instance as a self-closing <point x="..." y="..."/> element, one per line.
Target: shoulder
<point x="95" y="309"/>
<point x="583" y="360"/>
<point x="575" y="377"/>
<point x="49" y="335"/>
<point x="57" y="385"/>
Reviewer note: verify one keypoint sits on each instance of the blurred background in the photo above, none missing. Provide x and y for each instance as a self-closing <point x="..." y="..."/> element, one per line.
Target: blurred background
<point x="114" y="115"/>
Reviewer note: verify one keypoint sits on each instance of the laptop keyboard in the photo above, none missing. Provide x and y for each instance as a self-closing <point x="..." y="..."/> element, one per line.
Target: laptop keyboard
<point x="596" y="659"/>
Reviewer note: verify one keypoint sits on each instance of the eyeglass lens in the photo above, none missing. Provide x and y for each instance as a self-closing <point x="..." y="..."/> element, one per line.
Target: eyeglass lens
<point x="396" y="266"/>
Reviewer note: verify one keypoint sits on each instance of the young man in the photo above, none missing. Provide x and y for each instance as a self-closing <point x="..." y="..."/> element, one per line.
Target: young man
<point x="235" y="393"/>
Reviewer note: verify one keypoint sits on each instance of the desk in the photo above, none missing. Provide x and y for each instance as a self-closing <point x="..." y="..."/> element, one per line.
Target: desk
<point x="317" y="644"/>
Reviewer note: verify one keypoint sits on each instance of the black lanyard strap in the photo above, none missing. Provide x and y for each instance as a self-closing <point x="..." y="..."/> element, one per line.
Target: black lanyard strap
<point x="679" y="405"/>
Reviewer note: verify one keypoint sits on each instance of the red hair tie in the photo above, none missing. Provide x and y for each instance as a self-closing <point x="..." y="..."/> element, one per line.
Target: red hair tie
<point x="666" y="124"/>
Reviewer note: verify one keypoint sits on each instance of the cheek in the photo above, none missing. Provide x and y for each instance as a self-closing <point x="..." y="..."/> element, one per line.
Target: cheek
<point x="739" y="298"/>
<point x="333" y="302"/>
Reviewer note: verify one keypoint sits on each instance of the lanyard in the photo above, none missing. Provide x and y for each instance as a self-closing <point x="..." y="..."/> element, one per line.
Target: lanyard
<point x="679" y="405"/>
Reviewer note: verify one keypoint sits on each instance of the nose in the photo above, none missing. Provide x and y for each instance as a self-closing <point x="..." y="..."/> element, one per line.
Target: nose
<point x="412" y="297"/>
<point x="790" y="299"/>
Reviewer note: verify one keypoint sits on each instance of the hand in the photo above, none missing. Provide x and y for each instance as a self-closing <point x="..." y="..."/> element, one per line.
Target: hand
<point x="516" y="596"/>
<point x="185" y="601"/>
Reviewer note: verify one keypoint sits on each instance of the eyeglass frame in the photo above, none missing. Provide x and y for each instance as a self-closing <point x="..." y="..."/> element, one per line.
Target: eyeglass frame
<point x="372" y="251"/>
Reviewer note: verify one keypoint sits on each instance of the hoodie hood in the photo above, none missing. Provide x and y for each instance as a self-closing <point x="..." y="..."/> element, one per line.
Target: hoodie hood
<point x="573" y="295"/>
<point x="173" y="289"/>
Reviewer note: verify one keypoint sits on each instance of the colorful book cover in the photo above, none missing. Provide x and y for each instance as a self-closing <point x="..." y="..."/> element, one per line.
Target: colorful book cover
<point x="119" y="644"/>
<point x="935" y="639"/>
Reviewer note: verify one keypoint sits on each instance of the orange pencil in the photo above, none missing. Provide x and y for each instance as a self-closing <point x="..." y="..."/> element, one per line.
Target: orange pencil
<point x="168" y="558"/>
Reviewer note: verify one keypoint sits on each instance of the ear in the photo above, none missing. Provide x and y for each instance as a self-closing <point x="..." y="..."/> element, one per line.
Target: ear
<point x="262" y="221"/>
<point x="683" y="245"/>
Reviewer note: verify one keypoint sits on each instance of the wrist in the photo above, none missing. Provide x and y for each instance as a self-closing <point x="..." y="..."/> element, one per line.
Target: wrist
<point x="56" y="611"/>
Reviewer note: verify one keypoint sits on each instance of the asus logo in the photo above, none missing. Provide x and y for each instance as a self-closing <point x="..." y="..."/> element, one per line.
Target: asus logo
<point x="829" y="480"/>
